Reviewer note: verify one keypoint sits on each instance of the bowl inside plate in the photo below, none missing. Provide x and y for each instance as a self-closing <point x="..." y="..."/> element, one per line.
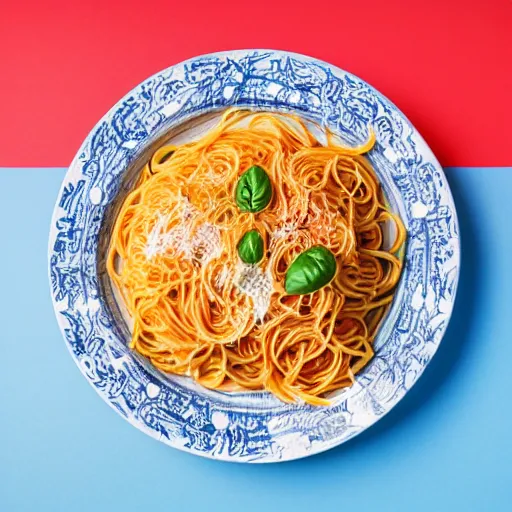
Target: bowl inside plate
<point x="190" y="131"/>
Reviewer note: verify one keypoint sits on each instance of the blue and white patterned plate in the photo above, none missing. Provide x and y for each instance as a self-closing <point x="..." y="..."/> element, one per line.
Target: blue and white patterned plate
<point x="251" y="427"/>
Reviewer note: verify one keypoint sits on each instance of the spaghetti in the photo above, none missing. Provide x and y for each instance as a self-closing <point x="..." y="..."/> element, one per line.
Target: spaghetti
<point x="198" y="310"/>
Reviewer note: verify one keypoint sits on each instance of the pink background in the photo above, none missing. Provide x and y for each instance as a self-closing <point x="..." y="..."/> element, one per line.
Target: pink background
<point x="445" y="63"/>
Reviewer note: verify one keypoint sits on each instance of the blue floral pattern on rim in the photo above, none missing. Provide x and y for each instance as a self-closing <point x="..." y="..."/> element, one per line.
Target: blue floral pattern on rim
<point x="240" y="427"/>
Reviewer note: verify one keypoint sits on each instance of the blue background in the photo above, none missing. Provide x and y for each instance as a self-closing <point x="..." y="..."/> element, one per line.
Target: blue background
<point x="446" y="447"/>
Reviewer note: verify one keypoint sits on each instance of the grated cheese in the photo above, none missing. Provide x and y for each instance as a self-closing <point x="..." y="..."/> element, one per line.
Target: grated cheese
<point x="202" y="246"/>
<point x="257" y="284"/>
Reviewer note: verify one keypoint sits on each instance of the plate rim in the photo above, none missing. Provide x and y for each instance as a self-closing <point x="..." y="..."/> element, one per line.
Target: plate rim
<point x="72" y="169"/>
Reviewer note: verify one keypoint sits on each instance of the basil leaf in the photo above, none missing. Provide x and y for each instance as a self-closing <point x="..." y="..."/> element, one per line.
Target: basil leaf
<point x="253" y="190"/>
<point x="250" y="247"/>
<point x="310" y="271"/>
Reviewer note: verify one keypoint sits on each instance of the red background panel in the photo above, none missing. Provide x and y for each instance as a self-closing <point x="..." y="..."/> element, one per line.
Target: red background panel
<point x="446" y="64"/>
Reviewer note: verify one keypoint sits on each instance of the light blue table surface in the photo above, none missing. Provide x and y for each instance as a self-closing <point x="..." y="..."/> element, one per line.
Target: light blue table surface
<point x="446" y="447"/>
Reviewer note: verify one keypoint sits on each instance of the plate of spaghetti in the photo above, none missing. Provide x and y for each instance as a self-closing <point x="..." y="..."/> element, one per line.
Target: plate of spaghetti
<point x="253" y="256"/>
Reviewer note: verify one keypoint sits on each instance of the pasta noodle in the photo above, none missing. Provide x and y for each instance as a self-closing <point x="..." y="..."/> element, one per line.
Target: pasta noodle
<point x="198" y="310"/>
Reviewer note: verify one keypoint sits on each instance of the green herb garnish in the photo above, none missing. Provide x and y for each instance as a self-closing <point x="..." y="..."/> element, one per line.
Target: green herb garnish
<point x="310" y="271"/>
<point x="250" y="247"/>
<point x="253" y="190"/>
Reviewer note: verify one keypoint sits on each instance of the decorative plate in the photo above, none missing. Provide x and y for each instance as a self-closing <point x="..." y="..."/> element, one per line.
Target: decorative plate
<point x="251" y="427"/>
